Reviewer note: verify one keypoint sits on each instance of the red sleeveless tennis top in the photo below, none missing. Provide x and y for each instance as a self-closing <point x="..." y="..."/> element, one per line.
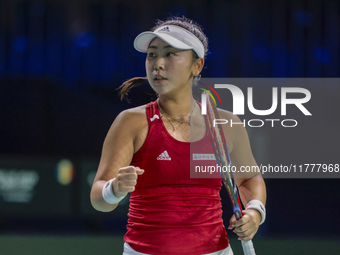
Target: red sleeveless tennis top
<point x="171" y="213"/>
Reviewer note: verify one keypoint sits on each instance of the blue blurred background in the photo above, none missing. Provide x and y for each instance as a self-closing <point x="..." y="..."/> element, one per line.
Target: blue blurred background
<point x="61" y="63"/>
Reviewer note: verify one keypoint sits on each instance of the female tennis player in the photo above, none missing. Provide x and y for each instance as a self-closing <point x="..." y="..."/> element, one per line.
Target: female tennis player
<point x="147" y="153"/>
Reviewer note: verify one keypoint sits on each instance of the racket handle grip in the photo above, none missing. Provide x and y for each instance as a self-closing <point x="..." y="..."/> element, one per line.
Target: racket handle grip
<point x="248" y="248"/>
<point x="238" y="214"/>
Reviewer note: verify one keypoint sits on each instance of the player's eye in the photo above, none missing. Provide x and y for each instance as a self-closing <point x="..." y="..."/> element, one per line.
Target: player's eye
<point x="170" y="54"/>
<point x="151" y="55"/>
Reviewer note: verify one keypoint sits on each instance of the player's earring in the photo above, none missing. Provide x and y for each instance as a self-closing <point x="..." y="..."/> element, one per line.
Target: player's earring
<point x="197" y="78"/>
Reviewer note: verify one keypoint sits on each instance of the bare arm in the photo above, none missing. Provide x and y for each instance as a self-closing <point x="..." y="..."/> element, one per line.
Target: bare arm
<point x="251" y="185"/>
<point x="121" y="142"/>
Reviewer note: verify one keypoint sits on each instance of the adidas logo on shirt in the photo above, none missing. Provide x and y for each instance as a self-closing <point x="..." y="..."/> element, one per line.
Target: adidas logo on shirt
<point x="164" y="156"/>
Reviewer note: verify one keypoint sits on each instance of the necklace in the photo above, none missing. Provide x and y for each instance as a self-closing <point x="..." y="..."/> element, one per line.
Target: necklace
<point x="179" y="121"/>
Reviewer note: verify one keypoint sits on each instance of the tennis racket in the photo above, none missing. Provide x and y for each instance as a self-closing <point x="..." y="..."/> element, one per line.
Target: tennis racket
<point x="223" y="160"/>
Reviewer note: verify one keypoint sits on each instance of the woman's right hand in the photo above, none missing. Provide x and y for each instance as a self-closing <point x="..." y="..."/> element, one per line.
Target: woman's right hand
<point x="126" y="180"/>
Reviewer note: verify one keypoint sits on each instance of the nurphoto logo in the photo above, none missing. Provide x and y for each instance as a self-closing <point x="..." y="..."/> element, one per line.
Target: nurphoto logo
<point x="239" y="105"/>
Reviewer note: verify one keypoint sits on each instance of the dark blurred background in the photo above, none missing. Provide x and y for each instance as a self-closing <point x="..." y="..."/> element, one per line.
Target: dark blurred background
<point x="61" y="63"/>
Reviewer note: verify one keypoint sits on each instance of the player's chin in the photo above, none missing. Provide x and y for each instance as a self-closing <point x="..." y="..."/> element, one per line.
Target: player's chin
<point x="160" y="88"/>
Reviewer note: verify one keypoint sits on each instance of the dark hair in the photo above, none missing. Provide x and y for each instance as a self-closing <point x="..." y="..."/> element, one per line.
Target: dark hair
<point x="183" y="22"/>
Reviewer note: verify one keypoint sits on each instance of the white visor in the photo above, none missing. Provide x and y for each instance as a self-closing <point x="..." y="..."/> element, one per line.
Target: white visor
<point x="175" y="36"/>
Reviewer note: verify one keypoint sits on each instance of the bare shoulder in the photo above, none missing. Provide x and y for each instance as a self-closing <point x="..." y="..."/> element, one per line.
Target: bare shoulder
<point x="133" y="114"/>
<point x="224" y="114"/>
<point x="232" y="121"/>
<point x="138" y="109"/>
<point x="130" y="125"/>
<point x="129" y="121"/>
<point x="130" y="118"/>
<point x="233" y="128"/>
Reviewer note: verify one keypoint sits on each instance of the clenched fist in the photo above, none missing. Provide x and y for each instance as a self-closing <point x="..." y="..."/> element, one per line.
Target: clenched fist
<point x="126" y="180"/>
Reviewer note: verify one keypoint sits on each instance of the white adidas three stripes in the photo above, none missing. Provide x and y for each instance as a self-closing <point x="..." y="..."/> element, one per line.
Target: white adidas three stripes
<point x="164" y="156"/>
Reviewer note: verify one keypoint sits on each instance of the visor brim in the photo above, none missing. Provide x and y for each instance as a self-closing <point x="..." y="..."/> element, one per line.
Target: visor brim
<point x="143" y="41"/>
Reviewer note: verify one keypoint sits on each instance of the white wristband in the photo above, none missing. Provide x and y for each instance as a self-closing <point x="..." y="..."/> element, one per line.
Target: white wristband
<point x="108" y="195"/>
<point x="258" y="205"/>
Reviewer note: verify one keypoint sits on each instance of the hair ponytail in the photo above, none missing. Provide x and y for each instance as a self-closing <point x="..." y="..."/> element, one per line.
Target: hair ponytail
<point x="129" y="84"/>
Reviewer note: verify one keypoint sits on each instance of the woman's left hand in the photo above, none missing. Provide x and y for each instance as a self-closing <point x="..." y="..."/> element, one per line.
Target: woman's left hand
<point x="247" y="226"/>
